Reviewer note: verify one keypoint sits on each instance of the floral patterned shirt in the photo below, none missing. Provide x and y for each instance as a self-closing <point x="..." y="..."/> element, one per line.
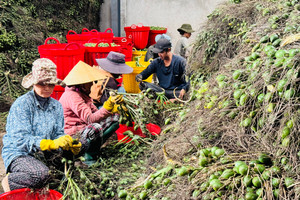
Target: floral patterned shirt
<point x="28" y="123"/>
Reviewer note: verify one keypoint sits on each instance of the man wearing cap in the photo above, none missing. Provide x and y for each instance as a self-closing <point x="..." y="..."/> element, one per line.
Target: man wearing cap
<point x="35" y="123"/>
<point x="113" y="66"/>
<point x="182" y="45"/>
<point x="169" y="69"/>
<point x="150" y="54"/>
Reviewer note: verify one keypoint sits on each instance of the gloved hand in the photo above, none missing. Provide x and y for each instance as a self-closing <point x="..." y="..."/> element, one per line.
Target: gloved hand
<point x="139" y="78"/>
<point x="111" y="101"/>
<point x="118" y="107"/>
<point x="64" y="142"/>
<point x="76" y="147"/>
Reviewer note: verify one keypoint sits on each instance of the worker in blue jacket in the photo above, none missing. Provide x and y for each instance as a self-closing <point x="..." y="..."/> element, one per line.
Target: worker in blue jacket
<point x="170" y="70"/>
<point x="35" y="123"/>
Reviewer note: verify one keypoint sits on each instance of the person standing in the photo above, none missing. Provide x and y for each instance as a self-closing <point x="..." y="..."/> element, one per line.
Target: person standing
<point x="35" y="123"/>
<point x="182" y="46"/>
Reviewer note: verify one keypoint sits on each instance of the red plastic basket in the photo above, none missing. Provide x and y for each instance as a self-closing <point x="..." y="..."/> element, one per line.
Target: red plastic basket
<point x="57" y="92"/>
<point x="121" y="40"/>
<point x="86" y="35"/>
<point x="139" y="35"/>
<point x="126" y="47"/>
<point x="65" y="56"/>
<point x="91" y="53"/>
<point x="28" y="194"/>
<point x="152" y="128"/>
<point x="153" y="34"/>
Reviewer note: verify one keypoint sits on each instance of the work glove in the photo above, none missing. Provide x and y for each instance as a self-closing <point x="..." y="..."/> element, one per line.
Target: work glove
<point x="117" y="108"/>
<point x="109" y="104"/>
<point x="64" y="142"/>
<point x="76" y="147"/>
<point x="139" y="78"/>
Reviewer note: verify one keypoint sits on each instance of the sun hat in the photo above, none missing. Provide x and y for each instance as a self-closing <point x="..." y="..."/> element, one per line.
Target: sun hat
<point x="43" y="71"/>
<point x="83" y="73"/>
<point x="161" y="45"/>
<point x="114" y="63"/>
<point x="186" y="28"/>
<point x="160" y="36"/>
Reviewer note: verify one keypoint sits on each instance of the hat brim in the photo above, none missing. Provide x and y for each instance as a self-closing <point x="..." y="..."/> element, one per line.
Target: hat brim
<point x="83" y="73"/>
<point x="28" y="81"/>
<point x="185" y="30"/>
<point x="114" y="68"/>
<point x="156" y="50"/>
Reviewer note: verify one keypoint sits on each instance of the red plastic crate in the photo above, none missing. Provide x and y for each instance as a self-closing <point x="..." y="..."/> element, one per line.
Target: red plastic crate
<point x="57" y="92"/>
<point x="86" y="35"/>
<point x="64" y="55"/>
<point x="152" y="128"/>
<point x="153" y="34"/>
<point x="126" y="47"/>
<point x="139" y="35"/>
<point x="91" y="53"/>
<point x="28" y="194"/>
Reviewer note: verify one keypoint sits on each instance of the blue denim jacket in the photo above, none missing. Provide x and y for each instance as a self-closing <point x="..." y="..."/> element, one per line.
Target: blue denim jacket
<point x="28" y="123"/>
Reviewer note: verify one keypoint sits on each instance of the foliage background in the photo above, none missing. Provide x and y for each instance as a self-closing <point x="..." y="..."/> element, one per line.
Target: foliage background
<point x="25" y="24"/>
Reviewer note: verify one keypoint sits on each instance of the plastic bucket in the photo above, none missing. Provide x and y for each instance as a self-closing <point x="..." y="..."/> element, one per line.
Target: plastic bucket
<point x="86" y="35"/>
<point x="126" y="47"/>
<point x="130" y="85"/>
<point x="57" y="92"/>
<point x="65" y="55"/>
<point x="152" y="128"/>
<point x="28" y="194"/>
<point x="139" y="35"/>
<point x="91" y="53"/>
<point x="138" y="53"/>
<point x="153" y="34"/>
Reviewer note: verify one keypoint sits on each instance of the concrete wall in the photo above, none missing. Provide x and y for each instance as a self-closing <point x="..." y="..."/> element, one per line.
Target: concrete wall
<point x="167" y="13"/>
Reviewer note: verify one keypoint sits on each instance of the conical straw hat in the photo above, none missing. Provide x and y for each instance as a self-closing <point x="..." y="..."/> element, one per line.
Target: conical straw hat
<point x="83" y="73"/>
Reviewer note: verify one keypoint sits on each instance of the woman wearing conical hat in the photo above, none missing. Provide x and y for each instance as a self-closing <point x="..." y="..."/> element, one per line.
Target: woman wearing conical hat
<point x="83" y="119"/>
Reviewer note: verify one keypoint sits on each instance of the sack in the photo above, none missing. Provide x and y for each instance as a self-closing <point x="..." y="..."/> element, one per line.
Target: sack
<point x="97" y="89"/>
